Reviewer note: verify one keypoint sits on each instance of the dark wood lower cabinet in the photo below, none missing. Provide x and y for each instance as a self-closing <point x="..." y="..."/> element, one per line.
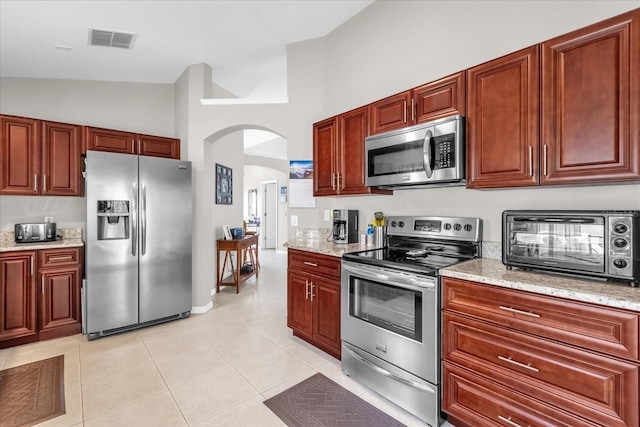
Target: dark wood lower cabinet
<point x="313" y="299"/>
<point x="49" y="307"/>
<point x="505" y="362"/>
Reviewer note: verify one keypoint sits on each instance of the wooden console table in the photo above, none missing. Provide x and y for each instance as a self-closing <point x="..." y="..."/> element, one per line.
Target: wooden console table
<point x="246" y="250"/>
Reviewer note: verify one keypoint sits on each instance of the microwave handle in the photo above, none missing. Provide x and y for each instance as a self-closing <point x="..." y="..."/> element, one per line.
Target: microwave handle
<point x="554" y="219"/>
<point x="426" y="153"/>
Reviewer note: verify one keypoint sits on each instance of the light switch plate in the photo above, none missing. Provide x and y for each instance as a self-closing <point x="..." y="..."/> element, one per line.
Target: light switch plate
<point x="327" y="215"/>
<point x="294" y="220"/>
<point x="48" y="219"/>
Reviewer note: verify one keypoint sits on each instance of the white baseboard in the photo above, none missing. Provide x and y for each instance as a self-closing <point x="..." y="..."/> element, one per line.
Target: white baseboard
<point x="202" y="309"/>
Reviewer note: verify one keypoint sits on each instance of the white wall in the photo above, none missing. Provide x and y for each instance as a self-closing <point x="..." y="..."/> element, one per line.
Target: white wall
<point x="395" y="45"/>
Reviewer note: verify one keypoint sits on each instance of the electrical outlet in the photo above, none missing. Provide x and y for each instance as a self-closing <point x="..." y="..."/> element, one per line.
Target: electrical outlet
<point x="327" y="215"/>
<point x="294" y="220"/>
<point x="48" y="219"/>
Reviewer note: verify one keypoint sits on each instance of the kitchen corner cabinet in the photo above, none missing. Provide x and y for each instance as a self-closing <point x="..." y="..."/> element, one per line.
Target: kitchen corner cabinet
<point x="431" y="101"/>
<point x="512" y="357"/>
<point x="313" y="299"/>
<point x="40" y="157"/>
<point x="40" y="292"/>
<point x="115" y="141"/>
<point x="18" y="298"/>
<point x="564" y="112"/>
<point x="339" y="155"/>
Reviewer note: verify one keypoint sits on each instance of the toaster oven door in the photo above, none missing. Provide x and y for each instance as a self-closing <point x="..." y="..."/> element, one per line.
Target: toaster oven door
<point x="564" y="242"/>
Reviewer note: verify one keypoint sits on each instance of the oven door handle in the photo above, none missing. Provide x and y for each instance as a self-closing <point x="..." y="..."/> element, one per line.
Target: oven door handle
<point x="415" y="282"/>
<point x="386" y="373"/>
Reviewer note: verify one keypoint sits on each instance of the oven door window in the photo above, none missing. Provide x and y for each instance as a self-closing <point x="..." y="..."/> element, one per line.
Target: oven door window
<point x="575" y="243"/>
<point x="392" y="308"/>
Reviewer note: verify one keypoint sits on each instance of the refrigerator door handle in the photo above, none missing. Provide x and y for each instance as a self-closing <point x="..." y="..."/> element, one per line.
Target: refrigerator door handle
<point x="143" y="219"/>
<point x="134" y="219"/>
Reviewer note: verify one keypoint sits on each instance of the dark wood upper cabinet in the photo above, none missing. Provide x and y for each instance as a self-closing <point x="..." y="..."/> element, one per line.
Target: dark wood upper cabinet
<point x="431" y="101"/>
<point x="571" y="117"/>
<point x="339" y="155"/>
<point x="40" y="157"/>
<point x="115" y="141"/>
<point x="591" y="103"/>
<point x="20" y="145"/>
<point x="502" y="121"/>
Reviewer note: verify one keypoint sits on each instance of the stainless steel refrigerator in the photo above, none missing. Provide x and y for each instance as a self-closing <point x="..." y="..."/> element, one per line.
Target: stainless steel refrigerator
<point x="138" y="253"/>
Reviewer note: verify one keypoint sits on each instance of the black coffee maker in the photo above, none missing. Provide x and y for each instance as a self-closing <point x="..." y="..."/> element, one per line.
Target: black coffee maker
<point x="345" y="226"/>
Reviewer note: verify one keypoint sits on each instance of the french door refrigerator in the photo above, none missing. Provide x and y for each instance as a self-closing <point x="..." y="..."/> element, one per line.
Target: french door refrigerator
<point x="138" y="253"/>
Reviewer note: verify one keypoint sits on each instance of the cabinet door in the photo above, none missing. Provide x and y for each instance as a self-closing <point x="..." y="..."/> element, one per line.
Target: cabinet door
<point x="442" y="98"/>
<point x="158" y="146"/>
<point x="591" y="103"/>
<point x="352" y="130"/>
<point x="325" y="136"/>
<point x="299" y="303"/>
<point x="61" y="163"/>
<point x="20" y="148"/>
<point x="59" y="302"/>
<point x="113" y="141"/>
<point x="325" y="296"/>
<point x="17" y="299"/>
<point x="502" y="121"/>
<point x="394" y="112"/>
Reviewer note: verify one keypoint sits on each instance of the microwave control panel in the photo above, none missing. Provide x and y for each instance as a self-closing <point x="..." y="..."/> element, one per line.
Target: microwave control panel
<point x="445" y="151"/>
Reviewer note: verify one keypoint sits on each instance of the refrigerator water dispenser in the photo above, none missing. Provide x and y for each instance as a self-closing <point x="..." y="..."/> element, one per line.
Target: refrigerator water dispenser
<point x="113" y="219"/>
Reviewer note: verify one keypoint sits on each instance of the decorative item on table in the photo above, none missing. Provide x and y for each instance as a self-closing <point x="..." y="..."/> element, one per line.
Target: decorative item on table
<point x="226" y="231"/>
<point x="237" y="233"/>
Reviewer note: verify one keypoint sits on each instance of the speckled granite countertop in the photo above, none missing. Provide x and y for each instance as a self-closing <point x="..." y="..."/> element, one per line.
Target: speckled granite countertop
<point x="493" y="272"/>
<point x="322" y="246"/>
<point x="71" y="237"/>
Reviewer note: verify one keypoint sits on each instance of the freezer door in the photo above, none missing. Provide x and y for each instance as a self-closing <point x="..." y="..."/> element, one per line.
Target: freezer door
<point x="111" y="257"/>
<point x="165" y="237"/>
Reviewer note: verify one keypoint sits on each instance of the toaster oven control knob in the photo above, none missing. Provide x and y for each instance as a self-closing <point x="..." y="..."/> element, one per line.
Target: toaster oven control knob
<point x="619" y="242"/>
<point x="620" y="228"/>
<point x="619" y="263"/>
<point x="457" y="227"/>
<point x="447" y="226"/>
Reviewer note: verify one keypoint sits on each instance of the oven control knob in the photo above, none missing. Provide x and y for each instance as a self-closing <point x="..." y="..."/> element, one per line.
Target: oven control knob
<point x="457" y="227"/>
<point x="620" y="228"/>
<point x="619" y="242"/>
<point x="400" y="224"/>
<point x="619" y="263"/>
<point x="467" y="227"/>
<point x="393" y="223"/>
<point x="447" y="226"/>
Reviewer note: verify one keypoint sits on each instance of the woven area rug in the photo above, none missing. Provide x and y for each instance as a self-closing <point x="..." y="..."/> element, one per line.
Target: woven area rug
<point x="318" y="401"/>
<point x="32" y="393"/>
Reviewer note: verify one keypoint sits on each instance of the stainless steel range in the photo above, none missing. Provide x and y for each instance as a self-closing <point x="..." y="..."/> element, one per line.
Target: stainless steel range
<point x="390" y="313"/>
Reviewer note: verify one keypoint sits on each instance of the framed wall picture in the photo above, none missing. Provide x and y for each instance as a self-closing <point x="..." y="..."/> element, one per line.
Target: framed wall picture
<point x="224" y="185"/>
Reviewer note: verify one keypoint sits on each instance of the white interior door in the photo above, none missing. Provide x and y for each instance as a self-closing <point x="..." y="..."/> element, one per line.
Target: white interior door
<point x="269" y="227"/>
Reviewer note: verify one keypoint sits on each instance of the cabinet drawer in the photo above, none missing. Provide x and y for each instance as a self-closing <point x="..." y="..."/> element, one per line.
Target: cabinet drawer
<point x="594" y="327"/>
<point x="58" y="257"/>
<point x="323" y="265"/>
<point x="478" y="402"/>
<point x="599" y="388"/>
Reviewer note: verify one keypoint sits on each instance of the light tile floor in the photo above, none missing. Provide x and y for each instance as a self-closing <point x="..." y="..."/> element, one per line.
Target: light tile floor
<point x="212" y="369"/>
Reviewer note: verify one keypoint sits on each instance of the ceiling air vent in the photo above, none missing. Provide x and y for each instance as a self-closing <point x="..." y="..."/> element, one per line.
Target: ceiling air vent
<point x="111" y="38"/>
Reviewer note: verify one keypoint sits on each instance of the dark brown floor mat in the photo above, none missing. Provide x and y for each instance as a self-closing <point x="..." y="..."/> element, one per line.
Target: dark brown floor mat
<point x="32" y="393"/>
<point x="318" y="401"/>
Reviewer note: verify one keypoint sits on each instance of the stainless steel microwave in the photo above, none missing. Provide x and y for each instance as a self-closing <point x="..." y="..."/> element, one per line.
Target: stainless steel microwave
<point x="423" y="155"/>
<point x="592" y="243"/>
<point x="35" y="232"/>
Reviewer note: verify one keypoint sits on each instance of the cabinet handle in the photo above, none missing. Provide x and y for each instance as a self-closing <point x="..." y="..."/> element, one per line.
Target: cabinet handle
<point x="333" y="180"/>
<point x="33" y="261"/>
<point x="404" y="119"/>
<point x="42" y="286"/>
<point x="312" y="264"/>
<point x="515" y="310"/>
<point x="312" y="294"/>
<point x="413" y="110"/>
<point x="522" y="365"/>
<point x="338" y="182"/>
<point x="544" y="159"/>
<point x="530" y="161"/>
<point x="59" y="258"/>
<point x="139" y="146"/>
<point x="508" y="421"/>
<point x="306" y="291"/>
<point x="35" y="182"/>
